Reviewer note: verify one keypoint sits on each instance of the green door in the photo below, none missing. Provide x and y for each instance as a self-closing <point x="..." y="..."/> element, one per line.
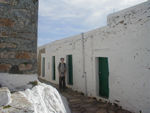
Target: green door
<point x="70" y="69"/>
<point x="43" y="67"/>
<point x="53" y="68"/>
<point x="103" y="77"/>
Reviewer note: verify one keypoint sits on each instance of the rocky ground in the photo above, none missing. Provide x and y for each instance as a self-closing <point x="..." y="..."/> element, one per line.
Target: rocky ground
<point x="82" y="104"/>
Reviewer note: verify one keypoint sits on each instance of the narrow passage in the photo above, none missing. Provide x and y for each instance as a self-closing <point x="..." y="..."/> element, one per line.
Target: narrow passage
<point x="79" y="103"/>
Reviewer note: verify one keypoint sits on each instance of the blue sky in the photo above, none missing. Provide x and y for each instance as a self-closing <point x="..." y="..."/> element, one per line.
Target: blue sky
<point x="63" y="18"/>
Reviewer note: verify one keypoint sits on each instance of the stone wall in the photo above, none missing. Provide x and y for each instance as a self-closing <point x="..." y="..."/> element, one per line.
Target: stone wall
<point x="18" y="35"/>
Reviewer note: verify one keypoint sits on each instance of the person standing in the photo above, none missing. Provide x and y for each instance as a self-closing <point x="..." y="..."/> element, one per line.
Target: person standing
<point x="62" y="73"/>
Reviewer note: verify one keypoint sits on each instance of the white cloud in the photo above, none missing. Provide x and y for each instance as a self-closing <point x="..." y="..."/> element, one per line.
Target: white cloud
<point x="63" y="18"/>
<point x="90" y="11"/>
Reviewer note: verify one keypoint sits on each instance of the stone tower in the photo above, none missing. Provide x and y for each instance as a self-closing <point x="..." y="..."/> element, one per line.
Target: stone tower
<point x="18" y="36"/>
<point x="18" y="43"/>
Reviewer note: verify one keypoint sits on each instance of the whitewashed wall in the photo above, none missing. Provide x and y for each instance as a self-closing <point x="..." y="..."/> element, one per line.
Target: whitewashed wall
<point x="126" y="43"/>
<point x="70" y="46"/>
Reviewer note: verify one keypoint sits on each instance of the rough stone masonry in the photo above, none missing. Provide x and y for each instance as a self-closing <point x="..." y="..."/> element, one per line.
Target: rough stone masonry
<point x="18" y="36"/>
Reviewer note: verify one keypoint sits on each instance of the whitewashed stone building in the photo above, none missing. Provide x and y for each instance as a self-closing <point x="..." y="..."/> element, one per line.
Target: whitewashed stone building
<point x="110" y="63"/>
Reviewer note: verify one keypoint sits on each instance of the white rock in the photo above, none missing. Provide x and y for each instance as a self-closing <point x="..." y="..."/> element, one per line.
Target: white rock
<point x="46" y="99"/>
<point x="5" y="96"/>
<point x="40" y="99"/>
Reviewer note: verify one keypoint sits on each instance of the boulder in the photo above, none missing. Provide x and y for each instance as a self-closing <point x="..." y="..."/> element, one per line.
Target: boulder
<point x="5" y="96"/>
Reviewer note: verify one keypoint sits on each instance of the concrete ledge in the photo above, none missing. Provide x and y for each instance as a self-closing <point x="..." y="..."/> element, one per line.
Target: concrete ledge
<point x="16" y="82"/>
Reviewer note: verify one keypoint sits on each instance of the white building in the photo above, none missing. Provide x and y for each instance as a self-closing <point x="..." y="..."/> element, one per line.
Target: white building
<point x="111" y="63"/>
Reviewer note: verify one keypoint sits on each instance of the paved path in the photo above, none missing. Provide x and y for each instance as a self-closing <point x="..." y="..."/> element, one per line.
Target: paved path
<point x="79" y="103"/>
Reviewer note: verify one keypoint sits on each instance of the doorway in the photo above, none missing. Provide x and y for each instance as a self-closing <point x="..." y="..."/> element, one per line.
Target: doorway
<point x="70" y="69"/>
<point x="43" y="66"/>
<point x="53" y="68"/>
<point x="103" y="76"/>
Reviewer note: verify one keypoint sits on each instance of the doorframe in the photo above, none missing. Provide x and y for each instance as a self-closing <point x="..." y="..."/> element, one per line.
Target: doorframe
<point x="97" y="75"/>
<point x="68" y="71"/>
<point x="53" y="68"/>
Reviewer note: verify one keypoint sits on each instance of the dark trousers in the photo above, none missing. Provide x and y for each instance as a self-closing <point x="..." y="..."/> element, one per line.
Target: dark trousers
<point x="62" y="84"/>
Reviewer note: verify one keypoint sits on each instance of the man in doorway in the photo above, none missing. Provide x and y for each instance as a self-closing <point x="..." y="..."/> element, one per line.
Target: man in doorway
<point x="62" y="73"/>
